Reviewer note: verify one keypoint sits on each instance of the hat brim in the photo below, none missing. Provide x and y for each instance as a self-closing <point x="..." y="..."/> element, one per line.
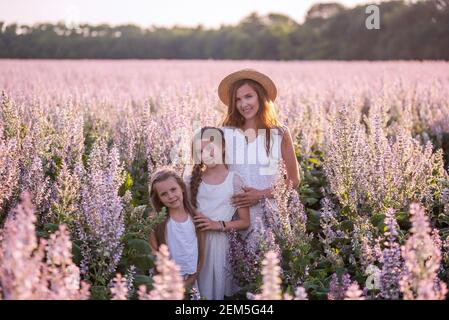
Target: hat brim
<point x="264" y="80"/>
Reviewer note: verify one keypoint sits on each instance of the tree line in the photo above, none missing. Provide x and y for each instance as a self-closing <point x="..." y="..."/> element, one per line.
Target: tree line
<point x="408" y="30"/>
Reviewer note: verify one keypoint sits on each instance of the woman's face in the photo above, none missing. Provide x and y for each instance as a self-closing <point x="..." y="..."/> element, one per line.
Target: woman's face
<point x="169" y="192"/>
<point x="247" y="101"/>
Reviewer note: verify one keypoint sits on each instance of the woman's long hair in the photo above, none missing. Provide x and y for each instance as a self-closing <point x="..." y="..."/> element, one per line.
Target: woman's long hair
<point x="199" y="166"/>
<point x="267" y="117"/>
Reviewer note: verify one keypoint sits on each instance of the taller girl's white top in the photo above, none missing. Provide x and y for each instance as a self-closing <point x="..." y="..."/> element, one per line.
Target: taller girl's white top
<point x="183" y="245"/>
<point x="258" y="169"/>
<point x="215" y="279"/>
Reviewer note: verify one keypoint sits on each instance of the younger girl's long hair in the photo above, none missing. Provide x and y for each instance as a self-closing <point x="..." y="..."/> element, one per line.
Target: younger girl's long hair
<point x="267" y="117"/>
<point x="160" y="175"/>
<point x="199" y="165"/>
<point x="163" y="174"/>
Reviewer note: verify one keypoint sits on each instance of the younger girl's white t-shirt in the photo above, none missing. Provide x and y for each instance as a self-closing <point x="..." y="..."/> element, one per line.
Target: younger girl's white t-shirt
<point x="183" y="245"/>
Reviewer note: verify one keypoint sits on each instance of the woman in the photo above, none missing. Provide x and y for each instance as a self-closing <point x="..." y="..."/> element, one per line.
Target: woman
<point x="255" y="142"/>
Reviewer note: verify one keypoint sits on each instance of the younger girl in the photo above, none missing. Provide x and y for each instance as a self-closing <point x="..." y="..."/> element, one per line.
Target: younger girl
<point x="177" y="231"/>
<point x="211" y="187"/>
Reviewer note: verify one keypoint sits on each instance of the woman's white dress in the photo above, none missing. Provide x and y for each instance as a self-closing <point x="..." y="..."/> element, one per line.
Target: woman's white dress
<point x="215" y="279"/>
<point x="257" y="169"/>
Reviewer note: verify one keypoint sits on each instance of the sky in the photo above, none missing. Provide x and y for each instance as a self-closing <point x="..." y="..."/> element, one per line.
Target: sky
<point x="210" y="14"/>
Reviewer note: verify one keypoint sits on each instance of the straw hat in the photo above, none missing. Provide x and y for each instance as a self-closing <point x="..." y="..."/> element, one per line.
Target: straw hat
<point x="265" y="81"/>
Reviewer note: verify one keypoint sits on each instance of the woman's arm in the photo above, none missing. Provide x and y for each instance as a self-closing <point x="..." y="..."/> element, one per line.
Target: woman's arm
<point x="291" y="164"/>
<point x="252" y="196"/>
<point x="289" y="157"/>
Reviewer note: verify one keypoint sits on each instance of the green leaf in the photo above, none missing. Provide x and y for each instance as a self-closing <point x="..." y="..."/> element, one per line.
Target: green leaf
<point x="128" y="181"/>
<point x="127" y="184"/>
<point x="313" y="216"/>
<point x="51" y="227"/>
<point x="141" y="246"/>
<point x="402" y="217"/>
<point x="76" y="253"/>
<point x="314" y="161"/>
<point x="346" y="225"/>
<point x="143" y="262"/>
<point x="378" y="221"/>
<point x="99" y="293"/>
<point x="130" y="236"/>
<point x="314" y="213"/>
<point x="310" y="201"/>
<point x="41" y="234"/>
<point x="142" y="279"/>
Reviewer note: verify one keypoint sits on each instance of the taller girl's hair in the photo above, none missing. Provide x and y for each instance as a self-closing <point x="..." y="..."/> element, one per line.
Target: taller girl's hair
<point x="199" y="166"/>
<point x="267" y="117"/>
<point x="163" y="174"/>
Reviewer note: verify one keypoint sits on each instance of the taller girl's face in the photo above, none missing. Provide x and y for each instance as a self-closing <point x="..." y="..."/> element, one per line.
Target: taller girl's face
<point x="247" y="101"/>
<point x="210" y="154"/>
<point x="169" y="192"/>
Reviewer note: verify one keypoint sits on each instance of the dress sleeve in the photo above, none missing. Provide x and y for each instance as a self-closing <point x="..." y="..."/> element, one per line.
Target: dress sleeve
<point x="238" y="183"/>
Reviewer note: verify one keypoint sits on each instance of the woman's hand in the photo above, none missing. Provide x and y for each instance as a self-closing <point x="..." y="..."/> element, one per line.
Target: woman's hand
<point x="248" y="198"/>
<point x="204" y="223"/>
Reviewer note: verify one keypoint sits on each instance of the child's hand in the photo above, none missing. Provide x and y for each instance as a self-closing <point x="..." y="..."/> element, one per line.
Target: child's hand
<point x="248" y="198"/>
<point x="204" y="223"/>
<point x="190" y="280"/>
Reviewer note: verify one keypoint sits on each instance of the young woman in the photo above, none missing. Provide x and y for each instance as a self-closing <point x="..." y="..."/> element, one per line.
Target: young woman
<point x="211" y="187"/>
<point x="177" y="231"/>
<point x="251" y="117"/>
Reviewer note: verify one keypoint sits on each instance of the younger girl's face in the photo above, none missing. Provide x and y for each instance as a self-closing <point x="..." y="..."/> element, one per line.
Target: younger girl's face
<point x="169" y="192"/>
<point x="247" y="101"/>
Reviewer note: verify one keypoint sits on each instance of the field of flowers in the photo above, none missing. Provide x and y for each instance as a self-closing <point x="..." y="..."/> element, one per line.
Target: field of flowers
<point x="78" y="139"/>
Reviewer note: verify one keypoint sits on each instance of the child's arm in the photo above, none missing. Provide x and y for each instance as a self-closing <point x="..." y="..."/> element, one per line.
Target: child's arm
<point x="200" y="251"/>
<point x="205" y="224"/>
<point x="242" y="223"/>
<point x="190" y="280"/>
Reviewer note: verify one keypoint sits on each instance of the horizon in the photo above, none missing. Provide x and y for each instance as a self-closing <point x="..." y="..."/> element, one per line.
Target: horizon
<point x="146" y="14"/>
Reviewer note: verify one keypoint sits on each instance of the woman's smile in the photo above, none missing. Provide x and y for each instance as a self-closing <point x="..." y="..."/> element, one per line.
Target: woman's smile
<point x="247" y="101"/>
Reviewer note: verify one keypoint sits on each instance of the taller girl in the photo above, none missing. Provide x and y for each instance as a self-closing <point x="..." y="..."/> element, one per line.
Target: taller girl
<point x="251" y="117"/>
